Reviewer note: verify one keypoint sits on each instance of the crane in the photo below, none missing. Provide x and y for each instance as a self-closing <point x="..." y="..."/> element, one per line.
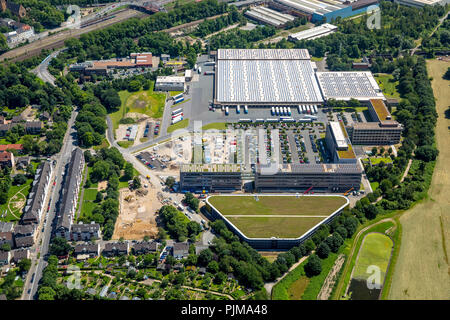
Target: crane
<point x="347" y="192"/>
<point x="308" y="190"/>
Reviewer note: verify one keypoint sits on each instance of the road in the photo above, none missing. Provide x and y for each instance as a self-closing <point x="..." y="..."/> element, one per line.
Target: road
<point x="42" y="69"/>
<point x="38" y="264"/>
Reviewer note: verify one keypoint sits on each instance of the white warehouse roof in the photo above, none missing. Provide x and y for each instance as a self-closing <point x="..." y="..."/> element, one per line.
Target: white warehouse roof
<point x="269" y="16"/>
<point x="339" y="137"/>
<point x="313" y="33"/>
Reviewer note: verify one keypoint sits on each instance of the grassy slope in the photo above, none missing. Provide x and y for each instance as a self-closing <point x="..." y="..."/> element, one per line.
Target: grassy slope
<point x="422" y="268"/>
<point x="179" y="125"/>
<point x="388" y="85"/>
<point x="273" y="205"/>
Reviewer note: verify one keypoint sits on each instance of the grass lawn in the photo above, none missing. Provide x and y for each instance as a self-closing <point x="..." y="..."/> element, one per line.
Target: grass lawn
<point x="286" y="227"/>
<point x="180" y="125"/>
<point x="90" y="194"/>
<point x="174" y="93"/>
<point x="17" y="197"/>
<point x="376" y="161"/>
<point x="146" y="102"/>
<point x="277" y="205"/>
<point x="388" y="85"/>
<point x="88" y="205"/>
<point x="215" y="125"/>
<point x="125" y="144"/>
<point x="375" y="250"/>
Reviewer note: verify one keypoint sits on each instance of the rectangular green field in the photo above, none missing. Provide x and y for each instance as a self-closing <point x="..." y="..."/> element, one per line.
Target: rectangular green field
<point x="375" y="251"/>
<point x="286" y="227"/>
<point x="277" y="205"/>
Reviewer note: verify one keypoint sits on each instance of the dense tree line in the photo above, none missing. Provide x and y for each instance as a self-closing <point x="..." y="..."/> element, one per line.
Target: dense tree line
<point x="41" y="14"/>
<point x="252" y="270"/>
<point x="5" y="184"/>
<point x="440" y="39"/>
<point x="118" y="39"/>
<point x="107" y="165"/>
<point x="214" y="25"/>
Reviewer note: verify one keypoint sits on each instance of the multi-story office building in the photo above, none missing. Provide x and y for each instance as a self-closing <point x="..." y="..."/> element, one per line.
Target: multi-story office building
<point x="338" y="143"/>
<point x="210" y="177"/>
<point x="301" y="177"/>
<point x="382" y="131"/>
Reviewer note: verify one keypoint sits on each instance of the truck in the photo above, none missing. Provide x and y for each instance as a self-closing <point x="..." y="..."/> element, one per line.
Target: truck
<point x="289" y="111"/>
<point x="177" y="119"/>
<point x="177" y="115"/>
<point x="208" y="73"/>
<point x="227" y="112"/>
<point x="277" y="111"/>
<point x="273" y="111"/>
<point x="177" y="111"/>
<point x="199" y="70"/>
<point x="178" y="100"/>
<point x="209" y="63"/>
<point x="245" y="109"/>
<point x="178" y="96"/>
<point x="238" y="109"/>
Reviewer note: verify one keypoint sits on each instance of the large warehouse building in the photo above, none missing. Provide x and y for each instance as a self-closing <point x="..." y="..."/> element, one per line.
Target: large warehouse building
<point x="320" y="10"/>
<point x="265" y="77"/>
<point x="268" y="16"/>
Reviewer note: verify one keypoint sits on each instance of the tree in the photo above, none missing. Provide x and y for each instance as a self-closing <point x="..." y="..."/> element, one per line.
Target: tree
<point x="134" y="85"/>
<point x="313" y="266"/>
<point x="205" y="257"/>
<point x="59" y="247"/>
<point x="191" y="201"/>
<point x="323" y="250"/>
<point x="128" y="171"/>
<point x="24" y="265"/>
<point x="99" y="197"/>
<point x="220" y="278"/>
<point x="426" y="153"/>
<point x="136" y="183"/>
<point x="170" y="182"/>
<point x="6" y="247"/>
<point x="334" y="242"/>
<point x="213" y="267"/>
<point x="309" y="246"/>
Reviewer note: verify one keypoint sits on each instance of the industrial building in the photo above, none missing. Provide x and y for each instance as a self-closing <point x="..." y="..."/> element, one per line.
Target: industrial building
<point x="268" y="16"/>
<point x="314" y="33"/>
<point x="382" y="131"/>
<point x="201" y="178"/>
<point x="345" y="85"/>
<point x="265" y="77"/>
<point x="101" y="67"/>
<point x="338" y="143"/>
<point x="422" y="3"/>
<point x="170" y="83"/>
<point x="320" y="10"/>
<point x="301" y="177"/>
<point x="71" y="187"/>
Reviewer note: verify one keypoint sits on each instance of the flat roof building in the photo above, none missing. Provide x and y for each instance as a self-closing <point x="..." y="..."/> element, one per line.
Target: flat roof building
<point x="210" y="177"/>
<point x="301" y="177"/>
<point x="345" y="85"/>
<point x="268" y="16"/>
<point x="382" y="131"/>
<point x="170" y="83"/>
<point x="314" y="33"/>
<point x="265" y="77"/>
<point x="422" y="3"/>
<point x="338" y="143"/>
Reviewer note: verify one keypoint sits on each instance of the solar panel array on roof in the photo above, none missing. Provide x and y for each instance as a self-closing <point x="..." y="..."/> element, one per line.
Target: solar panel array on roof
<point x="263" y="54"/>
<point x="266" y="76"/>
<point x="347" y="85"/>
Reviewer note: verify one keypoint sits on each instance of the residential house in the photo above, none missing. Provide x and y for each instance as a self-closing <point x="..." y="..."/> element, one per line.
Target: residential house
<point x="19" y="255"/>
<point x="85" y="232"/>
<point x="199" y="248"/>
<point x="22" y="162"/>
<point x="72" y="182"/>
<point x="91" y="249"/>
<point x="16" y="9"/>
<point x="145" y="247"/>
<point x="44" y="116"/>
<point x="6" y="226"/>
<point x="31" y="127"/>
<point x="24" y="242"/>
<point x="5" y="257"/>
<point x="36" y="197"/>
<point x="6" y="237"/>
<point x="23" y="230"/>
<point x="180" y="250"/>
<point x="9" y="147"/>
<point x="6" y="159"/>
<point x="116" y="249"/>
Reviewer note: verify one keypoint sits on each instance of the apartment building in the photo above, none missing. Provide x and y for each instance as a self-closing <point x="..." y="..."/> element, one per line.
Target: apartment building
<point x="72" y="182"/>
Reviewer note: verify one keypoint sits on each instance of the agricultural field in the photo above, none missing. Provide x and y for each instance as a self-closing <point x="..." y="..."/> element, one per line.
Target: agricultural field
<point x="422" y="268"/>
<point x="375" y="251"/>
<point x="262" y="218"/>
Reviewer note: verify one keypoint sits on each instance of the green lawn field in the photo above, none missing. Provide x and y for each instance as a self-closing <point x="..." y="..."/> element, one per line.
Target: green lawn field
<point x="375" y="250"/>
<point x="179" y="125"/>
<point x="277" y="205"/>
<point x="286" y="227"/>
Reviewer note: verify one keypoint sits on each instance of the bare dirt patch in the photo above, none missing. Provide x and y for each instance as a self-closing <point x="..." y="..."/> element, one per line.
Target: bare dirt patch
<point x="102" y="185"/>
<point x="137" y="215"/>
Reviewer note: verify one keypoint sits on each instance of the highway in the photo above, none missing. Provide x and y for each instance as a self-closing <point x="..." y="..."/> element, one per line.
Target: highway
<point x="38" y="264"/>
